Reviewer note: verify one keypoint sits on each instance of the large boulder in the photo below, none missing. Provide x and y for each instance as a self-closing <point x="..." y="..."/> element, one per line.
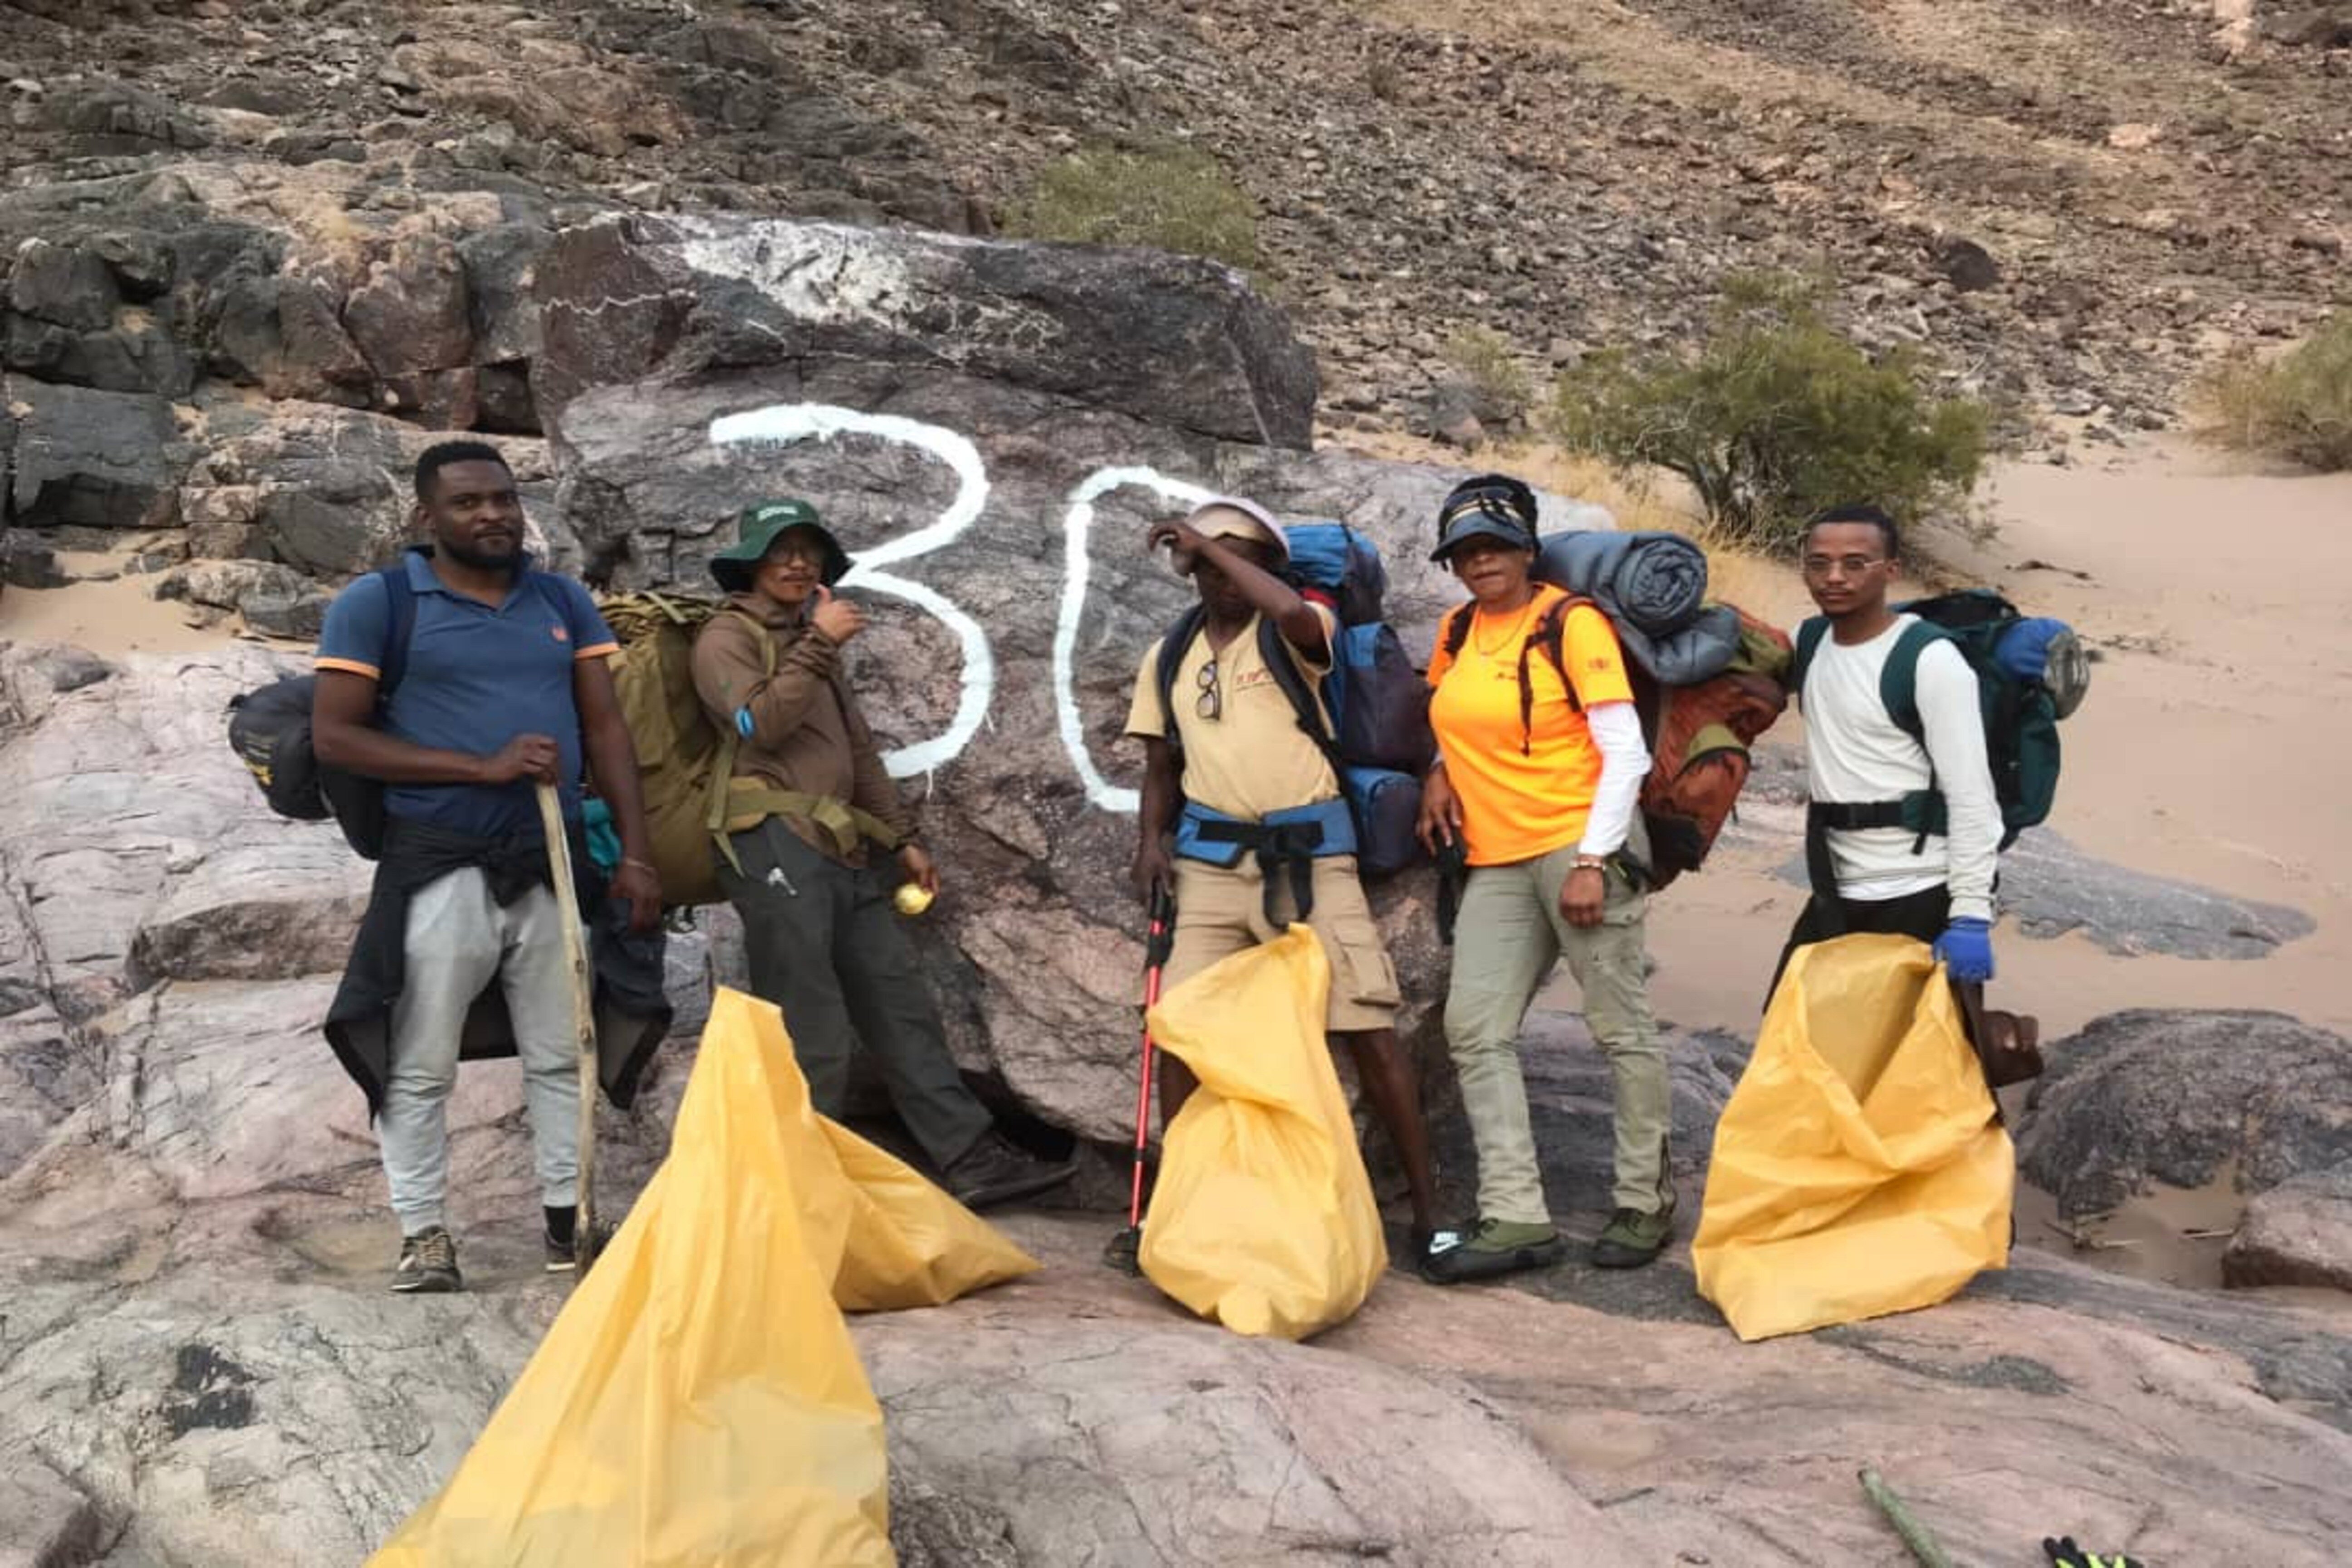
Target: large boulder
<point x="103" y="459"/>
<point x="927" y="396"/>
<point x="2185" y="1099"/>
<point x="70" y="318"/>
<point x="1172" y="339"/>
<point x="122" y="789"/>
<point x="2052" y="887"/>
<point x="245" y="1347"/>
<point x="325" y="492"/>
<point x="2298" y="1233"/>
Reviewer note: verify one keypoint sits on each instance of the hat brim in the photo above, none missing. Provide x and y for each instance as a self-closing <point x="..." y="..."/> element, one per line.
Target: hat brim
<point x="1268" y="530"/>
<point x="735" y="567"/>
<point x="1478" y="525"/>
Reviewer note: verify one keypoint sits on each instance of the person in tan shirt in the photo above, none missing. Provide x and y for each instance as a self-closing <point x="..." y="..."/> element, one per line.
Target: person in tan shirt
<point x="1231" y="783"/>
<point x="809" y="805"/>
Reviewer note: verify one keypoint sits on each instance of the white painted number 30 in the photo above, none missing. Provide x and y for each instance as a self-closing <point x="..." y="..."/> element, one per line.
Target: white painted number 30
<point x="785" y="423"/>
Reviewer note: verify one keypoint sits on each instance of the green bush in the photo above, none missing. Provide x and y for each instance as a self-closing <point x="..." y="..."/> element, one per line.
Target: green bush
<point x="1499" y="386"/>
<point x="2297" y="407"/>
<point x="1171" y="197"/>
<point x="1773" y="417"/>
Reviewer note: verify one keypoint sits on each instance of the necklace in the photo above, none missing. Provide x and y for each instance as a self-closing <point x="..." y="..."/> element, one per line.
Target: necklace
<point x="1517" y="626"/>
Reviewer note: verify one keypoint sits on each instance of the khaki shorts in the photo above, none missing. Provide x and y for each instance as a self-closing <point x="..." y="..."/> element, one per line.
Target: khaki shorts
<point x="1222" y="911"/>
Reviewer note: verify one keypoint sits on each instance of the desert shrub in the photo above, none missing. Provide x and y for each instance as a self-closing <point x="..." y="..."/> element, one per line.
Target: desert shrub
<point x="2297" y="407"/>
<point x="1773" y="415"/>
<point x="1170" y="197"/>
<point x="1499" y="385"/>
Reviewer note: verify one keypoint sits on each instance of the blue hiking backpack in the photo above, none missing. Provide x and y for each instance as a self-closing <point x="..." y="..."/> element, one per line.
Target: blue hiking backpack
<point x="1377" y="739"/>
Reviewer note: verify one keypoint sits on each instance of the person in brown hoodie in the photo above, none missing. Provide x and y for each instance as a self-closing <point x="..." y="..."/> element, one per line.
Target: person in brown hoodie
<point x="816" y="906"/>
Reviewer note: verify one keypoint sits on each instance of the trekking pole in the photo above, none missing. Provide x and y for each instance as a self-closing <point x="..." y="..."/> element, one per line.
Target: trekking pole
<point x="584" y="1016"/>
<point x="1916" y="1536"/>
<point x="1125" y="1247"/>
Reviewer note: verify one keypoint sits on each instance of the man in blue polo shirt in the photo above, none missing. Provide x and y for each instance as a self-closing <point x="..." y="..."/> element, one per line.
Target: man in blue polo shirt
<point x="496" y="683"/>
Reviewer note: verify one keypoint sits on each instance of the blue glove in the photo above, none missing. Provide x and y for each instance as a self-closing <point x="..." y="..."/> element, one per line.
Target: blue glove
<point x="1966" y="949"/>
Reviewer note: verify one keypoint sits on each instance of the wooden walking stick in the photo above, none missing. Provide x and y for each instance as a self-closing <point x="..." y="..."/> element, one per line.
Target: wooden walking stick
<point x="584" y="1016"/>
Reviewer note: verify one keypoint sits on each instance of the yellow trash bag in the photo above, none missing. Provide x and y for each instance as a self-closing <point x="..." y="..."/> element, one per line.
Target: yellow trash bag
<point x="907" y="1243"/>
<point x="1858" y="1168"/>
<point x="699" y="1404"/>
<point x="1263" y="1218"/>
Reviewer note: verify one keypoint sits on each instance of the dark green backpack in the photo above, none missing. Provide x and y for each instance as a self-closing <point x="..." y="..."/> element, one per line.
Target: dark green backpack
<point x="2031" y="673"/>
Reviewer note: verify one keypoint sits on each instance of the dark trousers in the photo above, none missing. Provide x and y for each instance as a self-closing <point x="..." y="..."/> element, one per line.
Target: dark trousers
<point x="1922" y="915"/>
<point x="826" y="946"/>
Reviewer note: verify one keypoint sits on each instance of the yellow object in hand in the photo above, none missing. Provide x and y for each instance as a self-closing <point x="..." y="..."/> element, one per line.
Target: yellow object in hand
<point x="911" y="898"/>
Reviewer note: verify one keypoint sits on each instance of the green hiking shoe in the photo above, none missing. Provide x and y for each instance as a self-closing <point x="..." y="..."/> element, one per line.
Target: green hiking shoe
<point x="1633" y="1239"/>
<point x="1492" y="1246"/>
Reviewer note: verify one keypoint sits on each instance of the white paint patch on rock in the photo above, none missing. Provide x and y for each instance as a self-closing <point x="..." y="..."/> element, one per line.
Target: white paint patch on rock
<point x="1077" y="525"/>
<point x="822" y="273"/>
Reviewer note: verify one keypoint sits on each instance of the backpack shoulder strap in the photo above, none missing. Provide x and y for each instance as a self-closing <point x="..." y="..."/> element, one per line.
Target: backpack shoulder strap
<point x="400" y="627"/>
<point x="1274" y="649"/>
<point x="1810" y="633"/>
<point x="1898" y="681"/>
<point x="1548" y="633"/>
<point x="1172" y="645"/>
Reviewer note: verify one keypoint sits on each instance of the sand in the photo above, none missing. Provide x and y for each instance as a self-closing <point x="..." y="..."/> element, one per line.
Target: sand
<point x="108" y="618"/>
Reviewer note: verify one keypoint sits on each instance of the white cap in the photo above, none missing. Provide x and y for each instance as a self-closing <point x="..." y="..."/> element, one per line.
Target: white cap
<point x="1240" y="519"/>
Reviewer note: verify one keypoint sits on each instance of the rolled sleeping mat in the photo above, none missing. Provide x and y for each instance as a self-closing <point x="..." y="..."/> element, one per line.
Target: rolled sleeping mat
<point x="1653" y="582"/>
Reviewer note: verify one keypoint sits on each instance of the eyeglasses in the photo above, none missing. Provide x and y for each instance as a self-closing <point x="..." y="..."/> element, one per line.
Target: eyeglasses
<point x="795" y="554"/>
<point x="1210" y="704"/>
<point x="1853" y="565"/>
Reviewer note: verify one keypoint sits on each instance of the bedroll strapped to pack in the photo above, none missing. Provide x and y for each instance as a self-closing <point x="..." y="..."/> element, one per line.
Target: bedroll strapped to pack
<point x="1370" y="716"/>
<point x="1699" y="734"/>
<point x="2031" y="673"/>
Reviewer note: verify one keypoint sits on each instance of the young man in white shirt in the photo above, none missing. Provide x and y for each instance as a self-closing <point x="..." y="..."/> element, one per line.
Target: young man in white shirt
<point x="1904" y="832"/>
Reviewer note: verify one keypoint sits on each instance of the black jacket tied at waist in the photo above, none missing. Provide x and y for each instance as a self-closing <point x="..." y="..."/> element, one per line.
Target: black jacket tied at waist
<point x="632" y="1011"/>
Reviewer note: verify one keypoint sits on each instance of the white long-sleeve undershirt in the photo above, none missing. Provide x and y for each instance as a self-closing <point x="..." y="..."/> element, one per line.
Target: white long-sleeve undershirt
<point x="1854" y="751"/>
<point x="1624" y="764"/>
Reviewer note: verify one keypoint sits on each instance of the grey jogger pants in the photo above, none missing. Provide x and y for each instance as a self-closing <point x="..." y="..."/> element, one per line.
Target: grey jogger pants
<point x="459" y="941"/>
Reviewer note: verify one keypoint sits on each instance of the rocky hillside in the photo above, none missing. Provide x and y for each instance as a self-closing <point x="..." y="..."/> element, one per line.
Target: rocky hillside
<point x="2072" y="205"/>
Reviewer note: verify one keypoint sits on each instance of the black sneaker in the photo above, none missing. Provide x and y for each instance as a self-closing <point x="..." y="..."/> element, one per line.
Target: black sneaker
<point x="994" y="1171"/>
<point x="1490" y="1247"/>
<point x="1633" y="1239"/>
<point x="562" y="1258"/>
<point x="428" y="1264"/>
<point x="1124" y="1251"/>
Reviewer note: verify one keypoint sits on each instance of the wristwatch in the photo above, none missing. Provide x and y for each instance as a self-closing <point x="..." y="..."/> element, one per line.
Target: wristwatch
<point x="1592" y="863"/>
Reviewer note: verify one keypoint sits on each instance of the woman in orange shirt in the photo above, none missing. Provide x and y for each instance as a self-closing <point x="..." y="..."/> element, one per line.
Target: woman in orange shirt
<point x="1540" y="762"/>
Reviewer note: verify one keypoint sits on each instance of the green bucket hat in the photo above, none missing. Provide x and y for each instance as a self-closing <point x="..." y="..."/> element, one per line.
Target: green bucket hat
<point x="756" y="529"/>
